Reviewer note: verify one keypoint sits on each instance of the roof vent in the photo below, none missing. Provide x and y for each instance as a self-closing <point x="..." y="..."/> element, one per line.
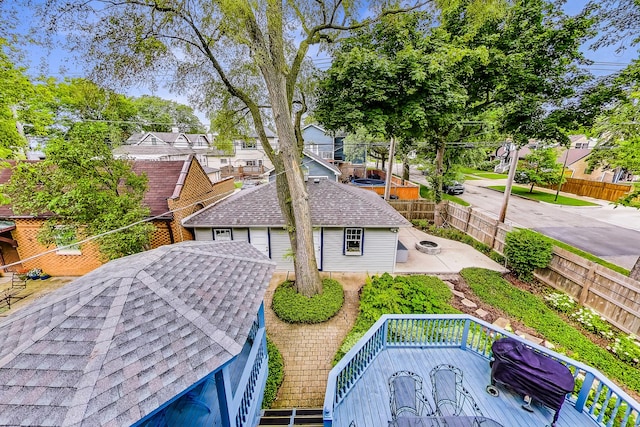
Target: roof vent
<point x="316" y="180"/>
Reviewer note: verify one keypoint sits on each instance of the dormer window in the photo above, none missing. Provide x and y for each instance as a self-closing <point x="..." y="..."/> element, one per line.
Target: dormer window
<point x="249" y="145"/>
<point x="154" y="140"/>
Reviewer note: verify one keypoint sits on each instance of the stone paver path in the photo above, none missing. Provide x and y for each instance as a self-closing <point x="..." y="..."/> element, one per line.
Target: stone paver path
<point x="309" y="349"/>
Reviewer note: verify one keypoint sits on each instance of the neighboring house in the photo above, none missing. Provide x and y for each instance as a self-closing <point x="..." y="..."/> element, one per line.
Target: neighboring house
<point x="246" y="158"/>
<point x="326" y="145"/>
<point x="169" y="337"/>
<point x="176" y="189"/>
<point x="354" y="229"/>
<point x="314" y="167"/>
<point x="506" y="153"/>
<point x="582" y="141"/>
<point x="165" y="146"/>
<point x="577" y="166"/>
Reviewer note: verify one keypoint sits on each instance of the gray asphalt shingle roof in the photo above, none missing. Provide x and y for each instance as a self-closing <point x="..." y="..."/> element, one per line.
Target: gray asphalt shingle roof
<point x="331" y="203"/>
<point x="111" y="347"/>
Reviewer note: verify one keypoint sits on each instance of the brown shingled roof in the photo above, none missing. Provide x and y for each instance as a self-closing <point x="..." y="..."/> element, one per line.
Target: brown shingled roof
<point x="163" y="178"/>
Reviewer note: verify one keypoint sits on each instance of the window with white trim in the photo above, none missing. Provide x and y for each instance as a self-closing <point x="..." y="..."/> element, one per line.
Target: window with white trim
<point x="64" y="238"/>
<point x="222" y="234"/>
<point x="249" y="145"/>
<point x="353" y="241"/>
<point x="223" y="161"/>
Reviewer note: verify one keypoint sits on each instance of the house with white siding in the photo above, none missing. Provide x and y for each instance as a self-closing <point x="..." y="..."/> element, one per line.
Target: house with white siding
<point x="354" y="229"/>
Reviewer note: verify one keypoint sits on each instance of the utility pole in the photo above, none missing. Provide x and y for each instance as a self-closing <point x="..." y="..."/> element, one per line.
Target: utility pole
<point x="507" y="190"/>
<point x="387" y="184"/>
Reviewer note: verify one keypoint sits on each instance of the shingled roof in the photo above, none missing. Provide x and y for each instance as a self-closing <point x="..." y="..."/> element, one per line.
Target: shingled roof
<point x="332" y="204"/>
<point x="114" y="345"/>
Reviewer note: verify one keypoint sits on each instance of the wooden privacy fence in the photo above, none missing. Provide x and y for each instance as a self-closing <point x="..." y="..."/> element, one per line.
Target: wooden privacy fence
<point x="614" y="296"/>
<point x="415" y="209"/>
<point x="595" y="189"/>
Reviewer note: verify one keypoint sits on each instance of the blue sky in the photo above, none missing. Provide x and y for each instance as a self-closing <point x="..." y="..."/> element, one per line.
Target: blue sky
<point x="60" y="63"/>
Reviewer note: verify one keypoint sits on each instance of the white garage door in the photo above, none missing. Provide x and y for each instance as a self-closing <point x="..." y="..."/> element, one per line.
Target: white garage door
<point x="260" y="240"/>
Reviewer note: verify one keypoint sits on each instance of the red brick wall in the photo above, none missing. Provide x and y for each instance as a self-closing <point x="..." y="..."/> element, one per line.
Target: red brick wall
<point x="26" y="234"/>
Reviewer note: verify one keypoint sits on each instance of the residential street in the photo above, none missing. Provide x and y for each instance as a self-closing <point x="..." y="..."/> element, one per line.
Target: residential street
<point x="611" y="233"/>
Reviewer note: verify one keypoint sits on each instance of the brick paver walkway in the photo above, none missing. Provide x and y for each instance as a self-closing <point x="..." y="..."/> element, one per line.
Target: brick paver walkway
<point x="309" y="349"/>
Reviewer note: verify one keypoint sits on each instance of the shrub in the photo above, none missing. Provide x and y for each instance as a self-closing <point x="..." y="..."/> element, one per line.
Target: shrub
<point x="527" y="250"/>
<point x="385" y="294"/>
<point x="292" y="307"/>
<point x="276" y="374"/>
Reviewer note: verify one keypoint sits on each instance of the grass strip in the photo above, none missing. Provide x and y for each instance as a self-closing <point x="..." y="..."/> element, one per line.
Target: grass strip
<point x="529" y="309"/>
<point x="589" y="256"/>
<point x="543" y="196"/>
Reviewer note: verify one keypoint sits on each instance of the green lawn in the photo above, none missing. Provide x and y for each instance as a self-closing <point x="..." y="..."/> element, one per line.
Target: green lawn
<point x="543" y="196"/>
<point x="477" y="174"/>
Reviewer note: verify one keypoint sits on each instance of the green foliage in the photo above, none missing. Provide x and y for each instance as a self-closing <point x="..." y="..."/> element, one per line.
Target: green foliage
<point x="276" y="375"/>
<point x="527" y="250"/>
<point x="160" y="115"/>
<point x="293" y="307"/>
<point x="386" y="294"/>
<point x="561" y="302"/>
<point x="627" y="348"/>
<point x="592" y="321"/>
<point x="539" y="168"/>
<point x="531" y="310"/>
<point x="82" y="188"/>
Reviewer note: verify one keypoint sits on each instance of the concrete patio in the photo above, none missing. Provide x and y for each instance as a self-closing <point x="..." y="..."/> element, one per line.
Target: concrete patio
<point x="453" y="256"/>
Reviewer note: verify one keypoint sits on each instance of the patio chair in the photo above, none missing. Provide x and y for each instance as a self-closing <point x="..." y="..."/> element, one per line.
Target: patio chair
<point x="406" y="398"/>
<point x="449" y="395"/>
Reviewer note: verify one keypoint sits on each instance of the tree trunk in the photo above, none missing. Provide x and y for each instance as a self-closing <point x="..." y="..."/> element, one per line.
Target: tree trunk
<point x="405" y="169"/>
<point x="635" y="271"/>
<point x="439" y="169"/>
<point x="299" y="225"/>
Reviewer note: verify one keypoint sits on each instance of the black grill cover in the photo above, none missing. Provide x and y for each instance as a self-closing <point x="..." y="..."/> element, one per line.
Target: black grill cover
<point x="530" y="373"/>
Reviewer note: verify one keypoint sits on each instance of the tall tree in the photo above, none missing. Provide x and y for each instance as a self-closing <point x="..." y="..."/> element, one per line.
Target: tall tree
<point x="84" y="192"/>
<point x="395" y="79"/>
<point x="23" y="106"/>
<point x="540" y="167"/>
<point x="250" y="52"/>
<point x="160" y="115"/>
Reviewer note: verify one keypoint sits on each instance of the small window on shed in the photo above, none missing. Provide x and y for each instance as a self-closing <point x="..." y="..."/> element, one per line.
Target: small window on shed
<point x="222" y="234"/>
<point x="353" y="241"/>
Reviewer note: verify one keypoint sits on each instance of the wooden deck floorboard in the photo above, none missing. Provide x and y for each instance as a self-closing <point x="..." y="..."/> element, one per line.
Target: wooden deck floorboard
<point x="368" y="402"/>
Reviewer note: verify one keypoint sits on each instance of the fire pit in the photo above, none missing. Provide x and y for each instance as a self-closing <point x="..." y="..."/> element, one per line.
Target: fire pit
<point x="428" y="247"/>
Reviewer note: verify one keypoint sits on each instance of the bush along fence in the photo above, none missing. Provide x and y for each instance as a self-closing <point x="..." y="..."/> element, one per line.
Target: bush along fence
<point x="613" y="295"/>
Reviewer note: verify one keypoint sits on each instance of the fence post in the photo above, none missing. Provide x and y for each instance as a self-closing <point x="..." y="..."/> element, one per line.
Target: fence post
<point x="466" y="226"/>
<point x="589" y="279"/>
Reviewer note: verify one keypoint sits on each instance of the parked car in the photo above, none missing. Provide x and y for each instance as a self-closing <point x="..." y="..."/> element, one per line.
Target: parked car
<point x="453" y="188"/>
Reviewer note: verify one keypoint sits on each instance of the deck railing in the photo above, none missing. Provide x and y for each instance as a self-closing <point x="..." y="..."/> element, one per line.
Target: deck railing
<point x="595" y="394"/>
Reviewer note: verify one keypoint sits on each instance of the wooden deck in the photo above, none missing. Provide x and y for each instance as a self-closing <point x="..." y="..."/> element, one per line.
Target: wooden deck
<point x="368" y="402"/>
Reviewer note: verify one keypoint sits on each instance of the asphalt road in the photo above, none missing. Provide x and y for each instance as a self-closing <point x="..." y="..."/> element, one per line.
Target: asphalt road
<point x="610" y="233"/>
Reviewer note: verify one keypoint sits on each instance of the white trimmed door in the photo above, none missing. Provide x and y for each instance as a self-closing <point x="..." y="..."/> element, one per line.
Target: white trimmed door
<point x="260" y="239"/>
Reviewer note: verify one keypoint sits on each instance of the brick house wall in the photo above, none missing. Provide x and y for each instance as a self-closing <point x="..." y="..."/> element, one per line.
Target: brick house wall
<point x="197" y="193"/>
<point x="26" y="234"/>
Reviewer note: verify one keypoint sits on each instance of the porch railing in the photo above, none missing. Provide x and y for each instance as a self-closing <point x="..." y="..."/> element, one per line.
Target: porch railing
<point x="595" y="395"/>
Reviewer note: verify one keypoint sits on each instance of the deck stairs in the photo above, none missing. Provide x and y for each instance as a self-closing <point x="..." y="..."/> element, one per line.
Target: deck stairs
<point x="301" y="417"/>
